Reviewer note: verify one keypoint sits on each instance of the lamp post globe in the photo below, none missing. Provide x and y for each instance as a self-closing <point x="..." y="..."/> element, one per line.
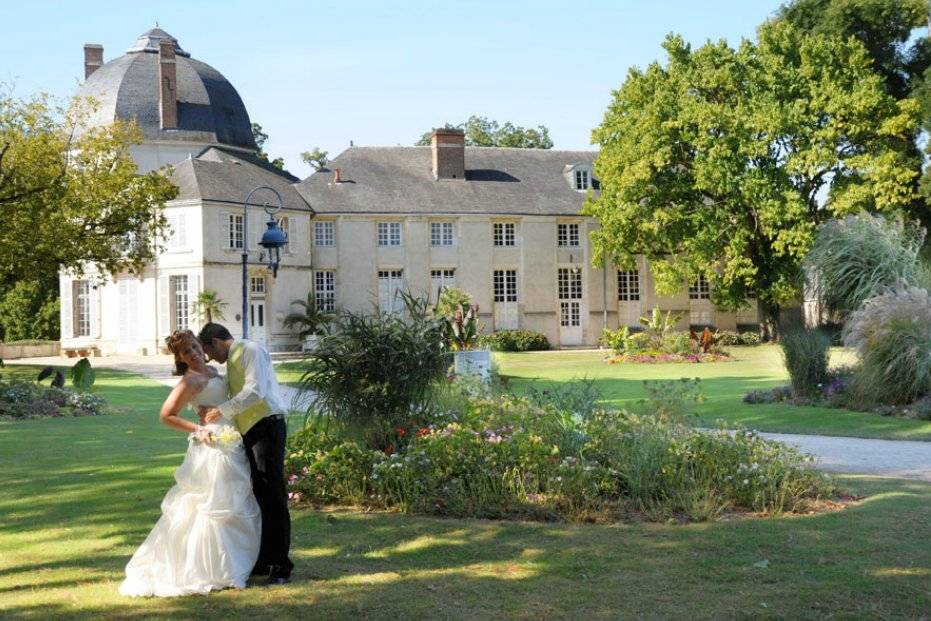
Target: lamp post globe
<point x="273" y="239"/>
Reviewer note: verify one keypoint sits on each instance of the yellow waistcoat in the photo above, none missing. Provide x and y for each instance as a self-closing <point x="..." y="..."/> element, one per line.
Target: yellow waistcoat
<point x="236" y="376"/>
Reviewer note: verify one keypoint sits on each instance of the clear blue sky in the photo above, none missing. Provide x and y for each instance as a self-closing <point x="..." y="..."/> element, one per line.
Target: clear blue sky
<point x="381" y="73"/>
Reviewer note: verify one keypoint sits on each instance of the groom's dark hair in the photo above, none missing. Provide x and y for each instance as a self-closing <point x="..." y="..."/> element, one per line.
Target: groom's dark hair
<point x="212" y="331"/>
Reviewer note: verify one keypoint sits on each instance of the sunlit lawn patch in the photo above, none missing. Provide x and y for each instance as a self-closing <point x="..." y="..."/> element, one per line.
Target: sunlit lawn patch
<point x="78" y="494"/>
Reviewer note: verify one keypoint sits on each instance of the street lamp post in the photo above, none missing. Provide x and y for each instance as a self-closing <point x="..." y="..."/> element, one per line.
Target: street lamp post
<point x="273" y="239"/>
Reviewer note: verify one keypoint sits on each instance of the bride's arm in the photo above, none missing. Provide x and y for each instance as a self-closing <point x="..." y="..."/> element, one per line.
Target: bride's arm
<point x="180" y="396"/>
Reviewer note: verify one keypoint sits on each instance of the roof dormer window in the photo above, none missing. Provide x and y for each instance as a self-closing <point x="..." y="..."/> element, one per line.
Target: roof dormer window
<point x="582" y="179"/>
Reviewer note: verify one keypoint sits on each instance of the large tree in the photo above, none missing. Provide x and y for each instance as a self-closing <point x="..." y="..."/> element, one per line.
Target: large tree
<point x="482" y="132"/>
<point x="722" y="162"/>
<point x="891" y="32"/>
<point x="260" y="139"/>
<point x="71" y="196"/>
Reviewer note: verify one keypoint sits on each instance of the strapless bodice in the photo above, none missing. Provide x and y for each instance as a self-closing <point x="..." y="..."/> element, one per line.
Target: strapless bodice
<point x="214" y="393"/>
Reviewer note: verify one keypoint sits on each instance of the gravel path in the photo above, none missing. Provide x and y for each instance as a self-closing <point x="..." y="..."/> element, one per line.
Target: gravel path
<point x="888" y="458"/>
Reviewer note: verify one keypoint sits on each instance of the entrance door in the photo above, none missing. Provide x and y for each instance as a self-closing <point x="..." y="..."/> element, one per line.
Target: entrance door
<point x="569" y="286"/>
<point x="505" y="295"/>
<point x="257" y="321"/>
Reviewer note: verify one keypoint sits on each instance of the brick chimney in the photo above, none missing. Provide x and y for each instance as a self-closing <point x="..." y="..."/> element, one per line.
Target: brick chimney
<point x="168" y="84"/>
<point x="93" y="58"/>
<point x="448" y="153"/>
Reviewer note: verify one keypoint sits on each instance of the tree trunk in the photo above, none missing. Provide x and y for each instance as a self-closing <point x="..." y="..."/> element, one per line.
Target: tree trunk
<point x="769" y="321"/>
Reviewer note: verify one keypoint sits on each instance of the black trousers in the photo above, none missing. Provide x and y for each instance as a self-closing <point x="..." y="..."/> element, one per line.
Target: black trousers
<point x="265" y="448"/>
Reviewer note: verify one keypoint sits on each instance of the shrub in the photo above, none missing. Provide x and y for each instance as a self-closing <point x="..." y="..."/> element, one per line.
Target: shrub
<point x="451" y="299"/>
<point x="516" y="340"/>
<point x="859" y="257"/>
<point x="658" y="325"/>
<point x="323" y="469"/>
<point x="806" y="353"/>
<point x="678" y="343"/>
<point x="615" y="340"/>
<point x="729" y="338"/>
<point x="31" y="400"/>
<point x="30" y="310"/>
<point x="507" y="456"/>
<point x="892" y="335"/>
<point x="372" y="371"/>
<point x="669" y="400"/>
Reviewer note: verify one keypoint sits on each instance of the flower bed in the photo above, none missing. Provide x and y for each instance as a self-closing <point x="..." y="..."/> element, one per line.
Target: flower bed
<point x="509" y="457"/>
<point x="662" y="357"/>
<point x="20" y="400"/>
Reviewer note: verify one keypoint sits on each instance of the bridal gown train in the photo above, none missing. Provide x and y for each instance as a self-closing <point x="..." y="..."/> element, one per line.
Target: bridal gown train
<point x="208" y="535"/>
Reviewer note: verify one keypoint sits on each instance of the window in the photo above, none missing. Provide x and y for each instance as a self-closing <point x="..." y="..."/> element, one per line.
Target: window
<point x="441" y="233"/>
<point x="323" y="234"/>
<point x="389" y="233"/>
<point x="751" y="293"/>
<point x="581" y="179"/>
<point x="179" y="294"/>
<point x="325" y="290"/>
<point x="439" y="280"/>
<point x="569" y="283"/>
<point x="628" y="285"/>
<point x="700" y="289"/>
<point x="389" y="284"/>
<point x="82" y="307"/>
<point x="567" y="234"/>
<point x="284" y="223"/>
<point x="235" y="223"/>
<point x="503" y="233"/>
<point x="257" y="285"/>
<point x="178" y="238"/>
<point x="505" y="285"/>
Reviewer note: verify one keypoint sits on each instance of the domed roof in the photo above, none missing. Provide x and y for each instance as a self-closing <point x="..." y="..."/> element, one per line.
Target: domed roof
<point x="210" y="110"/>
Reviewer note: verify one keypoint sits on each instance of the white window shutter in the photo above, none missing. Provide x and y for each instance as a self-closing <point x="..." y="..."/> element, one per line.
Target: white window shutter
<point x="257" y="227"/>
<point x="67" y="308"/>
<point x="296" y="234"/>
<point x="94" y="296"/>
<point x="164" y="306"/>
<point x="225" y="230"/>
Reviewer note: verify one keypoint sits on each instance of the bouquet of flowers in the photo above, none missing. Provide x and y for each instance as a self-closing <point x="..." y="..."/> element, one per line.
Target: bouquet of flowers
<point x="225" y="439"/>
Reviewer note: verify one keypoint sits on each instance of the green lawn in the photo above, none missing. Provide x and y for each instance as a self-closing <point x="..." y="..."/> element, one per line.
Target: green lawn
<point x="724" y="385"/>
<point x="78" y="494"/>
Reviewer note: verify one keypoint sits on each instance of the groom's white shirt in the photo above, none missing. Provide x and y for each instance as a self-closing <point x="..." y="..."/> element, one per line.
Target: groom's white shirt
<point x="260" y="383"/>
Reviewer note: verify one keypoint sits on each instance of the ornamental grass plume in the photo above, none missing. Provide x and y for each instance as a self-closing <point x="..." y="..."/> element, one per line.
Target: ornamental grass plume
<point x="862" y="256"/>
<point x="892" y="335"/>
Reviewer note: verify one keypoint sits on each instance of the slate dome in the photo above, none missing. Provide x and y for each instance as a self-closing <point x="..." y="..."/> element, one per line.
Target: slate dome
<point x="210" y="110"/>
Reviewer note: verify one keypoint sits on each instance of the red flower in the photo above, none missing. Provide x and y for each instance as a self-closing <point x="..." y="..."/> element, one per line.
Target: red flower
<point x="422" y="432"/>
<point x="389" y="449"/>
<point x="400" y="431"/>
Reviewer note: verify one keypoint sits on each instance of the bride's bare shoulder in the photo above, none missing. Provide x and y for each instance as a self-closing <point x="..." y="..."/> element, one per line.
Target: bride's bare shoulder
<point x="195" y="381"/>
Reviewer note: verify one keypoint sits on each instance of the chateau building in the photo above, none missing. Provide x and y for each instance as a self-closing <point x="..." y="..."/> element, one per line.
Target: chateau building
<point x="502" y="224"/>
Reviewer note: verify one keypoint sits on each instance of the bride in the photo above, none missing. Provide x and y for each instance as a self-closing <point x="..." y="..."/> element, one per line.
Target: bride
<point x="208" y="535"/>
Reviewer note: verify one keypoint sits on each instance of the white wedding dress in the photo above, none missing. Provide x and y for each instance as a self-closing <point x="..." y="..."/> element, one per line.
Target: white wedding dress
<point x="209" y="533"/>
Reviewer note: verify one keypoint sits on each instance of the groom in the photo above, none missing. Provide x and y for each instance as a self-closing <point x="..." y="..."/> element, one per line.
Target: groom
<point x="257" y="410"/>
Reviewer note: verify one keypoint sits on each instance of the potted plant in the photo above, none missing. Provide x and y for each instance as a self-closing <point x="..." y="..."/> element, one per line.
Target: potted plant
<point x="462" y="332"/>
<point x="308" y="321"/>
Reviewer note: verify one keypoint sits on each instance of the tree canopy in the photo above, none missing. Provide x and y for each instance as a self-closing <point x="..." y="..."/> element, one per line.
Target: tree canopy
<point x="260" y="138"/>
<point x="317" y="158"/>
<point x="723" y="162"/>
<point x="72" y="195"/>
<point x="482" y="132"/>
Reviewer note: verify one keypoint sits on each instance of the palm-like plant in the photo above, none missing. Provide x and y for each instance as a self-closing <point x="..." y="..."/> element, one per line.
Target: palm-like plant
<point x="208" y="305"/>
<point x="309" y="319"/>
<point x="658" y="325"/>
<point x="462" y="327"/>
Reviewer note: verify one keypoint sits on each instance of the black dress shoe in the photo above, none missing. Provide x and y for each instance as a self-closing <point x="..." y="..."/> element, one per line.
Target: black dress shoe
<point x="260" y="570"/>
<point x="278" y="575"/>
<point x="276" y="580"/>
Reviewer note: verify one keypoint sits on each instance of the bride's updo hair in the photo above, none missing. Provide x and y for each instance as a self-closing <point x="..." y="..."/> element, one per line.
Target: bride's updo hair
<point x="175" y="342"/>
